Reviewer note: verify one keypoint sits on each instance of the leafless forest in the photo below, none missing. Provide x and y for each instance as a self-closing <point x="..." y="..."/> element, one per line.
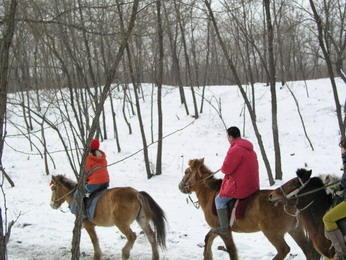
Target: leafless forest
<point x="74" y="55"/>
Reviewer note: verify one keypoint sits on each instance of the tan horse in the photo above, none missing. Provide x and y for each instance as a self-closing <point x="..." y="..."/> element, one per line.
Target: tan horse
<point x="260" y="215"/>
<point x="119" y="207"/>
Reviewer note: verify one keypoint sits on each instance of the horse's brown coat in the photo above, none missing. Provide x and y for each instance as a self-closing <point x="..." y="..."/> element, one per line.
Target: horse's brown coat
<point x="260" y="215"/>
<point x="119" y="207"/>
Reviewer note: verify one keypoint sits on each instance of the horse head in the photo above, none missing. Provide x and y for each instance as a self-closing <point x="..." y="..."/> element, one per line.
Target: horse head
<point x="192" y="176"/>
<point x="61" y="189"/>
<point x="198" y="174"/>
<point x="290" y="188"/>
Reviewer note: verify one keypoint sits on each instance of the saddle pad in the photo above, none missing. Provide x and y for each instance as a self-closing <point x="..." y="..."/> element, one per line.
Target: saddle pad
<point x="90" y="203"/>
<point x="240" y="207"/>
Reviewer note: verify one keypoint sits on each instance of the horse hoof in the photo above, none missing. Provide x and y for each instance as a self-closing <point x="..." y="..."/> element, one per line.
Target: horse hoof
<point x="125" y="256"/>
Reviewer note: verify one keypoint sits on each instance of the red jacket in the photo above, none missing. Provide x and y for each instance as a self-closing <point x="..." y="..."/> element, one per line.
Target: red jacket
<point x="100" y="175"/>
<point x="241" y="170"/>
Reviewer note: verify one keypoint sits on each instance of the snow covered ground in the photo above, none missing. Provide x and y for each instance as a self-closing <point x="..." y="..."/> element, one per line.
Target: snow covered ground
<point x="42" y="233"/>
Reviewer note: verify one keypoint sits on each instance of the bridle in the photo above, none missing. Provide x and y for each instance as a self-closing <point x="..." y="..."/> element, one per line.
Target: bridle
<point x="294" y="195"/>
<point x="188" y="185"/>
<point x="53" y="188"/>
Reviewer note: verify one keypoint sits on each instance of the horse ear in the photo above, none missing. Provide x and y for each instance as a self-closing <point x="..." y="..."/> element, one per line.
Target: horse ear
<point x="192" y="163"/>
<point x="304" y="174"/>
<point x="196" y="163"/>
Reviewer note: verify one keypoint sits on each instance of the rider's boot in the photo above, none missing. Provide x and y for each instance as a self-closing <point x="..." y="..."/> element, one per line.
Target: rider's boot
<point x="337" y="239"/>
<point x="223" y="229"/>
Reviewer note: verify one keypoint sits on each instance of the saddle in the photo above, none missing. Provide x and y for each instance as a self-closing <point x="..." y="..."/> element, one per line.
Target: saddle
<point x="236" y="208"/>
<point x="90" y="203"/>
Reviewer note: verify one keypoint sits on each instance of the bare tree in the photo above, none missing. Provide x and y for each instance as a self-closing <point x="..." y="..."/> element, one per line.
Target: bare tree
<point x="187" y="59"/>
<point x="159" y="88"/>
<point x="5" y="44"/>
<point x="272" y="80"/>
<point x="175" y="59"/>
<point x="326" y="54"/>
<point x="242" y="91"/>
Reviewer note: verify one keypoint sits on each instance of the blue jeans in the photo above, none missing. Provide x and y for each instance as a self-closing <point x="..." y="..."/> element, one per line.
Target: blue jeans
<point x="90" y="188"/>
<point x="221" y="202"/>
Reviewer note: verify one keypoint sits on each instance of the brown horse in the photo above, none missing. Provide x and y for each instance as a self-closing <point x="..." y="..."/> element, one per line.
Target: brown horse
<point x="307" y="197"/>
<point x="119" y="207"/>
<point x="260" y="215"/>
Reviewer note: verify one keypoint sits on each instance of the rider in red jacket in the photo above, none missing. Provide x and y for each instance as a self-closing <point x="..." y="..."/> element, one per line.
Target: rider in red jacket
<point x="241" y="176"/>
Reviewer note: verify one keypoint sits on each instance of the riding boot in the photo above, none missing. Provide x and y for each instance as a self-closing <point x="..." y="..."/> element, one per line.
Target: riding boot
<point x="223" y="228"/>
<point x="337" y="239"/>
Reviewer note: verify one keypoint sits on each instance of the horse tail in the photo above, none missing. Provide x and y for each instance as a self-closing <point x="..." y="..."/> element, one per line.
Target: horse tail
<point x="155" y="214"/>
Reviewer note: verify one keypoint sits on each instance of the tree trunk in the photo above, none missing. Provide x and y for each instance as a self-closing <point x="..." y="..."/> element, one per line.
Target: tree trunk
<point x="82" y="174"/>
<point x="243" y="93"/>
<point x="272" y="79"/>
<point x="139" y="113"/>
<point x="176" y="65"/>
<point x="5" y="44"/>
<point x="180" y="22"/>
<point x="330" y="68"/>
<point x="159" y="76"/>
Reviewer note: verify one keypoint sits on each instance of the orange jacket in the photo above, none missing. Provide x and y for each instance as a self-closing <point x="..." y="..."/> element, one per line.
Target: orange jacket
<point x="100" y="175"/>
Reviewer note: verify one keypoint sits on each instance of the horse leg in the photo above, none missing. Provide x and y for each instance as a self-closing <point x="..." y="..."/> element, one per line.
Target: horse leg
<point x="131" y="237"/>
<point x="304" y="243"/>
<point x="144" y="224"/>
<point x="208" y="242"/>
<point x="230" y="246"/>
<point x="278" y="241"/>
<point x="90" y="228"/>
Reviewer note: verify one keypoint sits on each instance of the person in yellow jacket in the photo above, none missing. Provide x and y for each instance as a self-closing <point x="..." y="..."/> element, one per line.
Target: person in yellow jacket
<point x="96" y="163"/>
<point x="333" y="232"/>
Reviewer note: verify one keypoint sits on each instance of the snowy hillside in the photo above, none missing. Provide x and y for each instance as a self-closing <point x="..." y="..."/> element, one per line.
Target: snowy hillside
<point x="42" y="233"/>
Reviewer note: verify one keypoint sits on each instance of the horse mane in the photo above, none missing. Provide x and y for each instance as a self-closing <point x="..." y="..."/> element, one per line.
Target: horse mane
<point x="324" y="199"/>
<point x="328" y="179"/>
<point x="213" y="183"/>
<point x="66" y="182"/>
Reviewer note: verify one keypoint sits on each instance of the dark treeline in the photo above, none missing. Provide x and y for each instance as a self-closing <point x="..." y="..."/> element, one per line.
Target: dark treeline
<point x="72" y="43"/>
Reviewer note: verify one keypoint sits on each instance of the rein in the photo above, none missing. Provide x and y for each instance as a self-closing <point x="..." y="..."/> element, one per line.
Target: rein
<point x="64" y="196"/>
<point x="201" y="180"/>
<point x="188" y="185"/>
<point x="315" y="190"/>
<point x="294" y="195"/>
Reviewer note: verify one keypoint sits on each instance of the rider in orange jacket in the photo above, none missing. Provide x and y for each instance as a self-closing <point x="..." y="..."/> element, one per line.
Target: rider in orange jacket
<point x="96" y="163"/>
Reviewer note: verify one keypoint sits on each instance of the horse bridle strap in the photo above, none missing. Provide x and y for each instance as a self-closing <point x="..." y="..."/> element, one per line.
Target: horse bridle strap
<point x="293" y="194"/>
<point x="52" y="185"/>
<point x="317" y="189"/>
<point x="201" y="180"/>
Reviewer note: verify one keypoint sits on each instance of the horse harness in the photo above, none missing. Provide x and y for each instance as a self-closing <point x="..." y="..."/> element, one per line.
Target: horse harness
<point x="187" y="185"/>
<point x="53" y="188"/>
<point x="294" y="195"/>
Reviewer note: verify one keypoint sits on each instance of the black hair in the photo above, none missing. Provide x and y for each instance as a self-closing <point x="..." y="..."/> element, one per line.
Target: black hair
<point x="233" y="131"/>
<point x="343" y="143"/>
